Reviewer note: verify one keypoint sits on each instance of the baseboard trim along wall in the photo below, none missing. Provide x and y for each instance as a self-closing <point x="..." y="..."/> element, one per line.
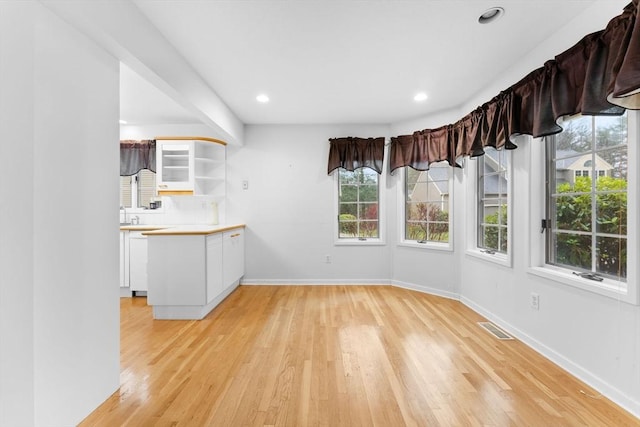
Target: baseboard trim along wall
<point x="576" y="370"/>
<point x="579" y="372"/>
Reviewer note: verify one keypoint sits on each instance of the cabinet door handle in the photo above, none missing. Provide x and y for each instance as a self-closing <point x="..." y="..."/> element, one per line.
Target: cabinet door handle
<point x="235" y="235"/>
<point x="163" y="186"/>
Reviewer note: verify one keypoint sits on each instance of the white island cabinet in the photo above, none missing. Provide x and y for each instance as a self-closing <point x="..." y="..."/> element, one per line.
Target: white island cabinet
<point x="186" y="269"/>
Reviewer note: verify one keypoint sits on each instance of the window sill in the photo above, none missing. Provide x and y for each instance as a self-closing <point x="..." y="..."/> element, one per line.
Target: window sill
<point x="608" y="288"/>
<point x="497" y="258"/>
<point x="427" y="245"/>
<point x="356" y="242"/>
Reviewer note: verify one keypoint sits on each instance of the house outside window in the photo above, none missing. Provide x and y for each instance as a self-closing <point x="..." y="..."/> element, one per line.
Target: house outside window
<point x="493" y="174"/>
<point x="587" y="217"/>
<point x="358" y="205"/>
<point x="426" y="214"/>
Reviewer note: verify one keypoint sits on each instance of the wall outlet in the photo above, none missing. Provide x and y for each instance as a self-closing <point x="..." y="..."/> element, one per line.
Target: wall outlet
<point x="245" y="185"/>
<point x="535" y="301"/>
<point x="327" y="259"/>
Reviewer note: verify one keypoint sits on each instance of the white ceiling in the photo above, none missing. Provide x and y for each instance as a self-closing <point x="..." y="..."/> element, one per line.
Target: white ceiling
<point x="341" y="61"/>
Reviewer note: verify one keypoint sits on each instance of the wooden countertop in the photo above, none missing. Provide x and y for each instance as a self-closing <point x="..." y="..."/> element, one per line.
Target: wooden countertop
<point x="143" y="227"/>
<point x="185" y="230"/>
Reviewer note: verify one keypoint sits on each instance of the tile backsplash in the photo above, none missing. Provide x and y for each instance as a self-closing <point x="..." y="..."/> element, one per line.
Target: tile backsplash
<point x="180" y="210"/>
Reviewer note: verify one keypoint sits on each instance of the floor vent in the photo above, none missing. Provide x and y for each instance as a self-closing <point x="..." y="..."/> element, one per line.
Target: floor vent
<point x="495" y="331"/>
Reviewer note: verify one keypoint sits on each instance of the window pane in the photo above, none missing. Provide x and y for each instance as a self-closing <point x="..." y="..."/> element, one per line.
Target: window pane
<point x="612" y="256"/>
<point x="610" y="131"/>
<point x="573" y="212"/>
<point x="348" y="193"/>
<point x="588" y="196"/>
<point x="368" y="229"/>
<point x="146" y="187"/>
<point x="573" y="250"/>
<point x="358" y="203"/>
<point x="427" y="204"/>
<point x="125" y="191"/>
<point x="493" y="199"/>
<point x="369" y="193"/>
<point x="368" y="211"/>
<point x="349" y="209"/>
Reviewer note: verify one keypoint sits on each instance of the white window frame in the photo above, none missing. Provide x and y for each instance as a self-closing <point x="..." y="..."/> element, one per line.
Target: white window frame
<point x="503" y="259"/>
<point x="135" y="207"/>
<point x="374" y="241"/>
<point x="621" y="291"/>
<point x="402" y="197"/>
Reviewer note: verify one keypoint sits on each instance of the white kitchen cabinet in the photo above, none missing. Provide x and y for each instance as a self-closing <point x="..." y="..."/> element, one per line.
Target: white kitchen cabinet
<point x="138" y="280"/>
<point x="190" y="271"/>
<point x="233" y="249"/>
<point x="190" y="166"/>
<point x="214" y="267"/>
<point x="124" y="259"/>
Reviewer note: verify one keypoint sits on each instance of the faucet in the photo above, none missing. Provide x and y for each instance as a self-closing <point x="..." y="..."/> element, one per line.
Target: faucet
<point x="123" y="209"/>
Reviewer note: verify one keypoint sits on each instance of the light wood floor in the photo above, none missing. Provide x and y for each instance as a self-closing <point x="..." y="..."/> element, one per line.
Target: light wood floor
<point x="338" y="356"/>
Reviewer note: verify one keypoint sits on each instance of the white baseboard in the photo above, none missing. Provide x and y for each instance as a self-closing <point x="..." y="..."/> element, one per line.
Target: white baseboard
<point x="332" y="282"/>
<point x="593" y="381"/>
<point x="426" y="290"/>
<point x="574" y="369"/>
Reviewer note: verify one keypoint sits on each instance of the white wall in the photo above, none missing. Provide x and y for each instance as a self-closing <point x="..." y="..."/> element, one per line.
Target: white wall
<point x="595" y="337"/>
<point x="288" y="207"/>
<point x="59" y="319"/>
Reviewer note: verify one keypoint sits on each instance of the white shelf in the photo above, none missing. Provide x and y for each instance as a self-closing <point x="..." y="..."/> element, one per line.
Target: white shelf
<point x="175" y="167"/>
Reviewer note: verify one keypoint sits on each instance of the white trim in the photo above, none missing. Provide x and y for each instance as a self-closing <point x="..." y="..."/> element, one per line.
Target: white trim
<point x="374" y="241"/>
<point x="471" y="173"/>
<point x="592" y="380"/>
<point x="426" y="290"/>
<point x="401" y="206"/>
<point x="628" y="291"/>
<point x="614" y="394"/>
<point x="307" y="282"/>
<point x="497" y="258"/>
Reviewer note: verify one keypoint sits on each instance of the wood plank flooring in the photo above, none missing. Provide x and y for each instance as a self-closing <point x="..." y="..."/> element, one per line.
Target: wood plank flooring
<point x="338" y="356"/>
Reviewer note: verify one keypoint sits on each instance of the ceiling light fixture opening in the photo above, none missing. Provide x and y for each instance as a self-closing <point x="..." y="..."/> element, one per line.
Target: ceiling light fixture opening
<point x="420" y="97"/>
<point x="262" y="98"/>
<point x="491" y="15"/>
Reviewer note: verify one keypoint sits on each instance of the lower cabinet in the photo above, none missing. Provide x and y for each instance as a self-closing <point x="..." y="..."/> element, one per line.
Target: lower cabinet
<point x="213" y="260"/>
<point x="138" y="280"/>
<point x="233" y="256"/>
<point x="124" y="259"/>
<point x="190" y="274"/>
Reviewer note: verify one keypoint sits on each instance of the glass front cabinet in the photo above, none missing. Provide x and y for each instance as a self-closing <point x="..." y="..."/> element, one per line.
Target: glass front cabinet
<point x="190" y="166"/>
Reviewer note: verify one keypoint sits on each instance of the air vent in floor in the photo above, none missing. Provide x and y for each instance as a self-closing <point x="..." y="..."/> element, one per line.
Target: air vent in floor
<point x="495" y="331"/>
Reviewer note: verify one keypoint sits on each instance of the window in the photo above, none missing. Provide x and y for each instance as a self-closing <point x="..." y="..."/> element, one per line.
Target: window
<point x="358" y="205"/>
<point x="493" y="202"/>
<point x="138" y="190"/>
<point x="426" y="217"/>
<point x="587" y="218"/>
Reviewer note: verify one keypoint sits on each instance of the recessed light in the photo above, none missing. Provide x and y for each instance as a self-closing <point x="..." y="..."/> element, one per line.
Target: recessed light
<point x="420" y="97"/>
<point x="262" y="98"/>
<point x="122" y="122"/>
<point x="490" y="15"/>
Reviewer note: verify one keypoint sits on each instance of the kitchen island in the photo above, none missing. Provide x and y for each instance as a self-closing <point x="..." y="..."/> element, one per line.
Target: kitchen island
<point x="191" y="269"/>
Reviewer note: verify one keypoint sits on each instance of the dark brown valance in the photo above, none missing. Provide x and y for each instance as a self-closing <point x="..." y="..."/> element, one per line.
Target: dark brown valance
<point x="137" y="155"/>
<point x="353" y="153"/>
<point x="600" y="75"/>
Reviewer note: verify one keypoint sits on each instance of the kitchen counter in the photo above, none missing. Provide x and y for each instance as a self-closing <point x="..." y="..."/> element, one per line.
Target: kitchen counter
<point x="185" y="230"/>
